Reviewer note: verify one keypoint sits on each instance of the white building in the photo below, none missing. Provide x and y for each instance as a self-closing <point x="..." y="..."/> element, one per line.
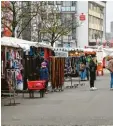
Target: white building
<point x="93" y="29"/>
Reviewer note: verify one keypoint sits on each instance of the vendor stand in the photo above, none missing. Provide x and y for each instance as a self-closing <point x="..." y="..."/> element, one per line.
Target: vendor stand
<point x="71" y="69"/>
<point x="10" y="70"/>
<point x="30" y="57"/>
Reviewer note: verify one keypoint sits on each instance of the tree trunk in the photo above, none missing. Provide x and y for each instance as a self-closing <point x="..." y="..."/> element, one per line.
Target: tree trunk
<point x="52" y="43"/>
<point x="13" y="32"/>
<point x="14" y="20"/>
<point x="52" y="40"/>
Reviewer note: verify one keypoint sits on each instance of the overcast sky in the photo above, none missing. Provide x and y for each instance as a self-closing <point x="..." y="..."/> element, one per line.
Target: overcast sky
<point x="109" y="14"/>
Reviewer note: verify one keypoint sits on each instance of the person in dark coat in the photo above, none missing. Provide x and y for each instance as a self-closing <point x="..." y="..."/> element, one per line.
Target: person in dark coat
<point x="44" y="74"/>
<point x="92" y="69"/>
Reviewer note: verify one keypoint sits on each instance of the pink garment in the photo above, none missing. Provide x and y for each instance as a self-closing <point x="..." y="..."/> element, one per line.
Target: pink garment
<point x="19" y="77"/>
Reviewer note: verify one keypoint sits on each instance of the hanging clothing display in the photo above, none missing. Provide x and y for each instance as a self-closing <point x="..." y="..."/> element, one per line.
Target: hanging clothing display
<point x="11" y="63"/>
<point x="57" y="72"/>
<point x="72" y="66"/>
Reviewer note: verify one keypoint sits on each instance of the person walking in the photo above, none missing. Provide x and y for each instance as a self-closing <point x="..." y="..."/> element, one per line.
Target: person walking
<point x="82" y="71"/>
<point x="44" y="74"/>
<point x="92" y="69"/>
<point x="110" y="68"/>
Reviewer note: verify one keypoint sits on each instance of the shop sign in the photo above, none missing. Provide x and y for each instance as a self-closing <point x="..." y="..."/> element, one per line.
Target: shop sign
<point x="61" y="54"/>
<point x="82" y="17"/>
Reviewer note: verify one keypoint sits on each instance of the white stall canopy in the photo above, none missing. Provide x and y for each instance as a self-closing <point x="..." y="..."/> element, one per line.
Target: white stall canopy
<point x="24" y="44"/>
<point x="107" y="52"/>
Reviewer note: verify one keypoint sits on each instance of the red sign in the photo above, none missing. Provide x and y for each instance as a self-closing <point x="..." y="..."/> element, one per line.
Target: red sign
<point x="82" y="17"/>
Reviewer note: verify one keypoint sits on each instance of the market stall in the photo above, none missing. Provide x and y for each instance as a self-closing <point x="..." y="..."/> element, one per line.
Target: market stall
<point x="72" y="64"/>
<point x="11" y="70"/>
<point x="18" y="54"/>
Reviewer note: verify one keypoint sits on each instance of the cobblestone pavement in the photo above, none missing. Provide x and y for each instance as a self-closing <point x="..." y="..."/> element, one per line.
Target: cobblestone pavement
<point x="71" y="107"/>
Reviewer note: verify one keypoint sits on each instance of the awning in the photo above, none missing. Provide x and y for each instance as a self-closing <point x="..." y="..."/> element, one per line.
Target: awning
<point x="107" y="52"/>
<point x="24" y="44"/>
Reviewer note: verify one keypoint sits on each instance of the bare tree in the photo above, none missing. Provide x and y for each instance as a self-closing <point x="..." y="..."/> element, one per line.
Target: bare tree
<point x="15" y="19"/>
<point x="54" y="26"/>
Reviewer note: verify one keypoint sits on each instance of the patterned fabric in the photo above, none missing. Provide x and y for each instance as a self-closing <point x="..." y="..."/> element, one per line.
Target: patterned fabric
<point x="110" y="65"/>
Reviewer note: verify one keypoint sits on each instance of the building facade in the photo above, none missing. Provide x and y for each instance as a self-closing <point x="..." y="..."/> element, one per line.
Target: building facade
<point x="93" y="29"/>
<point x="109" y="36"/>
<point x="67" y="9"/>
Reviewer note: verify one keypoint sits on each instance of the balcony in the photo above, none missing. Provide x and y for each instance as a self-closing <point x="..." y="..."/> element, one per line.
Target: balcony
<point x="68" y="9"/>
<point x="96" y="14"/>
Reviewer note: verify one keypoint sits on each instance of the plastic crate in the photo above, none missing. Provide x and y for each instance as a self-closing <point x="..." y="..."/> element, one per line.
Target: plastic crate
<point x="36" y="85"/>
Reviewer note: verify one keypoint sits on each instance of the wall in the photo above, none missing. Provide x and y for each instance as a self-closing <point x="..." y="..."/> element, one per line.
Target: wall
<point x="104" y="24"/>
<point x="82" y="31"/>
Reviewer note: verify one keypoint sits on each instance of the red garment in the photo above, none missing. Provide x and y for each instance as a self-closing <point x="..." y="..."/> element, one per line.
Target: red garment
<point x="46" y="53"/>
<point x="19" y="77"/>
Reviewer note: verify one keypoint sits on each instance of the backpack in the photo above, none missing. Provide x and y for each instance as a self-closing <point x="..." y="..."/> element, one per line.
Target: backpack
<point x="82" y="67"/>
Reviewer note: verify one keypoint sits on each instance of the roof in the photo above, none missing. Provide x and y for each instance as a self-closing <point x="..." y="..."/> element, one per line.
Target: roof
<point x="16" y="42"/>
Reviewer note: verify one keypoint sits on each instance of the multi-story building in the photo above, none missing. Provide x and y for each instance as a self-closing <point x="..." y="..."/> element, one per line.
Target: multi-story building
<point x="112" y="26"/>
<point x="94" y="27"/>
<point x="109" y="36"/>
<point x="91" y="30"/>
<point x="67" y="9"/>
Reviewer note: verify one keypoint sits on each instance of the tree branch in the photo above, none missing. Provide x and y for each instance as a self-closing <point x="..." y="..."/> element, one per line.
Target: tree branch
<point x="6" y="26"/>
<point x="25" y="26"/>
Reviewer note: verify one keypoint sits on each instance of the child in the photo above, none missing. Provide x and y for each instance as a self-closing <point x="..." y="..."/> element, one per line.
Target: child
<point x="44" y="74"/>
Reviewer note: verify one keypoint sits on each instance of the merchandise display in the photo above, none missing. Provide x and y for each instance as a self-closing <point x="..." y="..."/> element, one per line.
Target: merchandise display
<point x="57" y="72"/>
<point x="72" y="66"/>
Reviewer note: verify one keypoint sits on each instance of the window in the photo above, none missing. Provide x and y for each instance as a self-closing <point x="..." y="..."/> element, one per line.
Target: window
<point x="73" y="3"/>
<point x="67" y="3"/>
<point x="73" y="9"/>
<point x="50" y="2"/>
<point x="93" y="34"/>
<point x="89" y="18"/>
<point x="101" y="22"/>
<point x="98" y="10"/>
<point x="58" y="2"/>
<point x="90" y="6"/>
<point x="90" y="33"/>
<point x="93" y="20"/>
<point x="67" y="8"/>
<point x="101" y="10"/>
